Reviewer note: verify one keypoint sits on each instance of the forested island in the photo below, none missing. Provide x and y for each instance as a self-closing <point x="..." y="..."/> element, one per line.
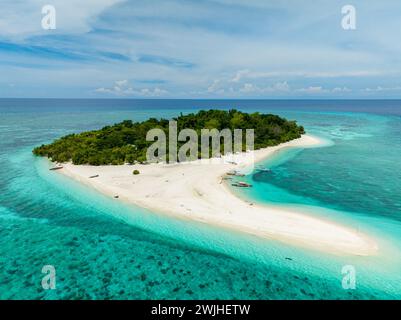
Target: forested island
<point x="125" y="142"/>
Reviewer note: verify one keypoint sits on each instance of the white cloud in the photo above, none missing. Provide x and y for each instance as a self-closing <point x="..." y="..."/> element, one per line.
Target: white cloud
<point x="122" y="88"/>
<point x="122" y="83"/>
<point x="341" y="89"/>
<point x="239" y="75"/>
<point x="214" y="87"/>
<point x="278" y="87"/>
<point x="247" y="74"/>
<point x="281" y="86"/>
<point x="225" y="87"/>
<point x="321" y="90"/>
<point x="234" y="87"/>
<point x="382" y="89"/>
<point x="312" y="90"/>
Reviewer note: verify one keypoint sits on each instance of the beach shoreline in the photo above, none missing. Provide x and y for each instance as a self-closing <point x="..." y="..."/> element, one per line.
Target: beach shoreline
<point x="196" y="191"/>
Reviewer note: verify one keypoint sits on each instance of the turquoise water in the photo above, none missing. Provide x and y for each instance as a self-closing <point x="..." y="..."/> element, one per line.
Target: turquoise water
<point x="103" y="249"/>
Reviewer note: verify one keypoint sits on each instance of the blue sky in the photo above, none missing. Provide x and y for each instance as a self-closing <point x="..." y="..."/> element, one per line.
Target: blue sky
<point x="200" y="49"/>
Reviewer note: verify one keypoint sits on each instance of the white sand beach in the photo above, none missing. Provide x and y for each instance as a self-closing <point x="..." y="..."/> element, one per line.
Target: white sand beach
<point x="196" y="191"/>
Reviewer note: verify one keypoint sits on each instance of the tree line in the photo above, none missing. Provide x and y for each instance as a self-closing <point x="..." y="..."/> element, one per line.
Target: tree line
<point x="125" y="142"/>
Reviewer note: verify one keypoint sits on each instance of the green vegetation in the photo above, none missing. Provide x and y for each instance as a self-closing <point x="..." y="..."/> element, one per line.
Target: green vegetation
<point x="135" y="172"/>
<point x="125" y="142"/>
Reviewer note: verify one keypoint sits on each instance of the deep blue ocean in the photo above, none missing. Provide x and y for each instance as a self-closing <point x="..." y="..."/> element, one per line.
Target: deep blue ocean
<point x="102" y="249"/>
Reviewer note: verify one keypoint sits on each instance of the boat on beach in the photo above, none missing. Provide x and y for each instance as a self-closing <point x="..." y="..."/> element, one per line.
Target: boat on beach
<point x="235" y="173"/>
<point x="242" y="185"/>
<point x="56" y="168"/>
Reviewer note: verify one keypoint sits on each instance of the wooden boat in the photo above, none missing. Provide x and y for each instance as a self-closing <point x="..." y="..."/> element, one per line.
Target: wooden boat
<point x="56" y="168"/>
<point x="235" y="173"/>
<point x="95" y="176"/>
<point x="242" y="185"/>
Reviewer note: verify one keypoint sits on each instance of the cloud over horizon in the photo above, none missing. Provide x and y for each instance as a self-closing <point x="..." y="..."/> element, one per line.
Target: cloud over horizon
<point x="200" y="49"/>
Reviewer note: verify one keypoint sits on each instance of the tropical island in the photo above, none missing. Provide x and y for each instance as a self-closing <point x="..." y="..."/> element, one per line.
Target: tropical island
<point x="110" y="160"/>
<point x="126" y="142"/>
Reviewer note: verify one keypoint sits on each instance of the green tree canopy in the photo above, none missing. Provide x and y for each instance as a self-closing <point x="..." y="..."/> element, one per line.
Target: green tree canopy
<point x="125" y="142"/>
